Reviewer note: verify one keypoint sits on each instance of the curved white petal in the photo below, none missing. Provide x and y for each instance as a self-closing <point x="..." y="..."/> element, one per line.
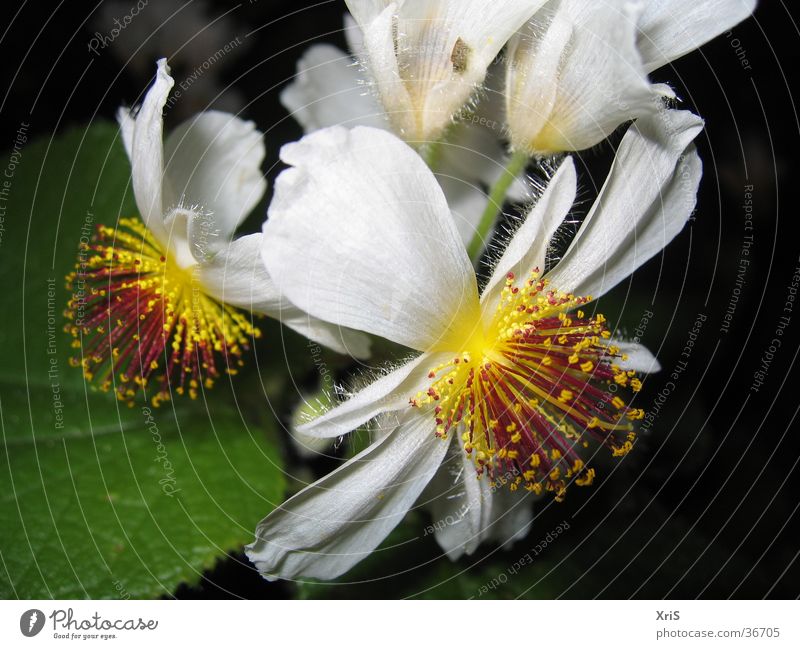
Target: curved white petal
<point x="327" y="91"/>
<point x="127" y="124"/>
<point x="668" y="30"/>
<point x="512" y="514"/>
<point x="353" y="35"/>
<point x="461" y="505"/>
<point x="360" y="234"/>
<point x="365" y="11"/>
<point x="333" y="524"/>
<point x="644" y="203"/>
<point x="236" y="276"/>
<point x="146" y="151"/>
<point x="340" y="339"/>
<point x="575" y="76"/>
<point x="638" y="357"/>
<point x="527" y="249"/>
<point x="213" y="168"/>
<point x="391" y="392"/>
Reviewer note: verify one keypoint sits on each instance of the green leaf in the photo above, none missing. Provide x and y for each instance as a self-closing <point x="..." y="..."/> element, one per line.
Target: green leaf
<point x="135" y="509"/>
<point x="101" y="500"/>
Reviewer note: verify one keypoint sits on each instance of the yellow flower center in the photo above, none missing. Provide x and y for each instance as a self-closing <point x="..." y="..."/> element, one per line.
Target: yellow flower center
<point x="136" y="315"/>
<point x="532" y="387"/>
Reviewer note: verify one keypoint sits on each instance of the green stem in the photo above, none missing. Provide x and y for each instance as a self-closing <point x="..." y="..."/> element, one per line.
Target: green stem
<point x="497" y="198"/>
<point x="433" y="154"/>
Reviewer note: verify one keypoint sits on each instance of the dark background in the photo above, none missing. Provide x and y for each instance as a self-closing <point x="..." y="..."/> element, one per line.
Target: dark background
<point x="708" y="507"/>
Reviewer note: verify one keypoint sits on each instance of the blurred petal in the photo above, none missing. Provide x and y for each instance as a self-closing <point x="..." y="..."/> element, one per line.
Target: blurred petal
<point x="461" y="505"/>
<point x="668" y="30"/>
<point x="327" y="91"/>
<point x="639" y="358"/>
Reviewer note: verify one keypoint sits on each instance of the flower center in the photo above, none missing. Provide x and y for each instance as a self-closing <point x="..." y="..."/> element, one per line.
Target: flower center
<point x="136" y="315"/>
<point x="537" y="385"/>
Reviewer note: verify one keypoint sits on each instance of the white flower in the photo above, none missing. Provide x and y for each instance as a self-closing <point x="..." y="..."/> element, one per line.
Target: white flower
<point x="165" y="291"/>
<point x="579" y="69"/>
<point x="482" y="394"/>
<point x="426" y="57"/>
<point x="329" y="90"/>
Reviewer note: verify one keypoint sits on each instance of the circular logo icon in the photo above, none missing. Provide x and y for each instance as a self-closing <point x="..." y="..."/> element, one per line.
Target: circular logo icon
<point x="31" y="622"/>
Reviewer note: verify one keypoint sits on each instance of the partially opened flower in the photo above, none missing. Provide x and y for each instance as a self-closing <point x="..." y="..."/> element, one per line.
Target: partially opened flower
<point x="427" y="57"/>
<point x="579" y="69"/>
<point x="329" y="90"/>
<point x="160" y="297"/>
<point x="517" y="379"/>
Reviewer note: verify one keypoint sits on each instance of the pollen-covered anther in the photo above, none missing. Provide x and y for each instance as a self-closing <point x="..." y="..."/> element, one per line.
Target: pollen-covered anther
<point x="538" y="385"/>
<point x="143" y="323"/>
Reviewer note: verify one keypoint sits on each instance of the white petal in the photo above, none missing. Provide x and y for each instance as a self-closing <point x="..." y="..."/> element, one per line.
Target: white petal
<point x="127" y="124"/>
<point x="327" y="91"/>
<point x="213" y="167"/>
<point x="147" y="152"/>
<point x="365" y="11"/>
<point x="379" y="60"/>
<point x="460" y="504"/>
<point x="309" y="447"/>
<point x="360" y="234"/>
<point x="527" y="249"/>
<point x="340" y="339"/>
<point x="644" y="203"/>
<point x="639" y="358"/>
<point x="237" y="276"/>
<point x="427" y="56"/>
<point x="512" y="514"/>
<point x="353" y="35"/>
<point x="330" y="526"/>
<point x="571" y="86"/>
<point x="388" y="393"/>
<point x="668" y="30"/>
<point x="471" y="160"/>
